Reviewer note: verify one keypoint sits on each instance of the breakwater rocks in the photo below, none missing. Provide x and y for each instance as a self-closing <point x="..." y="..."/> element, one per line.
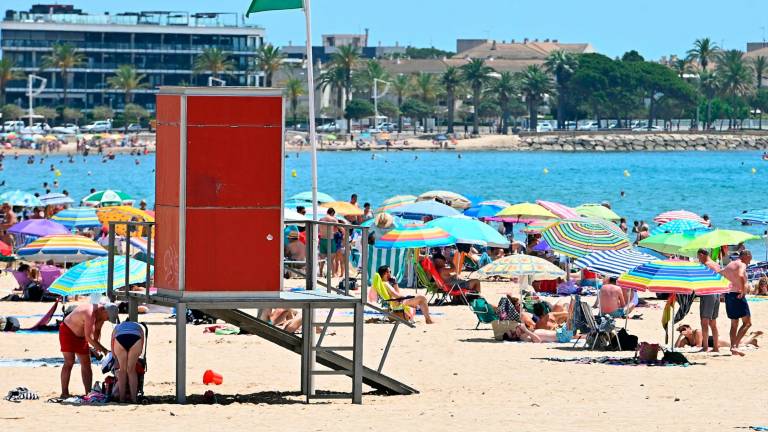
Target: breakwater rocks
<point x="643" y="142"/>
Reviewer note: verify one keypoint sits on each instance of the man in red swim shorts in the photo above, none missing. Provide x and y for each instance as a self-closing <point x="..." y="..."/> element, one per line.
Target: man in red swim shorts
<point x="79" y="329"/>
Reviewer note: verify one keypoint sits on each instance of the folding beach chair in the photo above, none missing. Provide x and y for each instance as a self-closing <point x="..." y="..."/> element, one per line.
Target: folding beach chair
<point x="392" y="305"/>
<point x="485" y="313"/>
<point x="422" y="278"/>
<point x="598" y="336"/>
<point x="444" y="290"/>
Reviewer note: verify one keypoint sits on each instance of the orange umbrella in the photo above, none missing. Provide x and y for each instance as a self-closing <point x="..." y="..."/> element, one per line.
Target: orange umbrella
<point x="344" y="208"/>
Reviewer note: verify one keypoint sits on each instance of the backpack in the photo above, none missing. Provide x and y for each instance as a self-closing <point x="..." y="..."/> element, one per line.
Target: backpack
<point x="627" y="341"/>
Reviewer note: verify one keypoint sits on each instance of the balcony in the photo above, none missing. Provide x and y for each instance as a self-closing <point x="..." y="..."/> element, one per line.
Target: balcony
<point x="114" y="46"/>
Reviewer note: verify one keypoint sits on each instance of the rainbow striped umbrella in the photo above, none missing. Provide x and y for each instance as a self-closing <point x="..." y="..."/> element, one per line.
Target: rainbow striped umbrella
<point x="522" y="265"/>
<point x="679" y="277"/>
<point x="415" y="236"/>
<point x="395" y="201"/>
<point x="614" y="262"/>
<point x="678" y="214"/>
<point x="77" y="218"/>
<point x="61" y="248"/>
<point x="560" y="210"/>
<point x="577" y="238"/>
<point x="91" y="277"/>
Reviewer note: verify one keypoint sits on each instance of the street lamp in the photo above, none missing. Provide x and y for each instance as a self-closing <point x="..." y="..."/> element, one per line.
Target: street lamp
<point x="376" y="97"/>
<point x="216" y="81"/>
<point x="31" y="78"/>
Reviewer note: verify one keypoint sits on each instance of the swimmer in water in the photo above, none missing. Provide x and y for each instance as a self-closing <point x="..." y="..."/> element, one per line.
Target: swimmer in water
<point x="622" y="194"/>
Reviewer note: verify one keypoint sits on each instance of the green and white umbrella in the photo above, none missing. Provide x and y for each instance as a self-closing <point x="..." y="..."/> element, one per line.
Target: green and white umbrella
<point x="106" y="198"/>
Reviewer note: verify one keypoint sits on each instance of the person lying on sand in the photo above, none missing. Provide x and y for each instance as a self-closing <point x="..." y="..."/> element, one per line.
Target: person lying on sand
<point x="693" y="337"/>
<point x="562" y="334"/>
<point x="550" y="317"/>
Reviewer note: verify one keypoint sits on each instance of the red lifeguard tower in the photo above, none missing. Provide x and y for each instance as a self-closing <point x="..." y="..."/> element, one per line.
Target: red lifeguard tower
<point x="219" y="232"/>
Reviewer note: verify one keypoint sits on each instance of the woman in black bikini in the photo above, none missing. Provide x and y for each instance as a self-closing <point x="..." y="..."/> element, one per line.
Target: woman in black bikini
<point x="127" y="345"/>
<point x="691" y="337"/>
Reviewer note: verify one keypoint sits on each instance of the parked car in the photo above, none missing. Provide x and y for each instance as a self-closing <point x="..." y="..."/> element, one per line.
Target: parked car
<point x="588" y="125"/>
<point x="134" y="127"/>
<point x="13" y="126"/>
<point x="36" y="128"/>
<point x="644" y="128"/>
<point x="67" y="129"/>
<point x="328" y="127"/>
<point x="544" y="127"/>
<point x="387" y="127"/>
<point x="98" y="126"/>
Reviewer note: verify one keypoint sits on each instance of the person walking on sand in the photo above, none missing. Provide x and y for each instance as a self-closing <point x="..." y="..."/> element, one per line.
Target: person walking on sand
<point x="709" y="306"/>
<point x="736" y="306"/>
<point x="81" y="328"/>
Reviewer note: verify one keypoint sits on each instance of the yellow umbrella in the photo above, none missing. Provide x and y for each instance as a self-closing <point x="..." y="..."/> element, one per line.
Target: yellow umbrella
<point x="124" y="214"/>
<point x="50" y="138"/>
<point x="524" y="211"/>
<point x="344" y="208"/>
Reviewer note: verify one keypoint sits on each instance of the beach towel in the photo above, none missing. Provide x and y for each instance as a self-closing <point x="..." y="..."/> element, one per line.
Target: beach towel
<point x="44" y="322"/>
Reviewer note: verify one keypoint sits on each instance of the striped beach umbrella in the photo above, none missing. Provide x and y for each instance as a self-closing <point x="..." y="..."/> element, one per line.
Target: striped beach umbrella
<point x="19" y="198"/>
<point x="420" y="209"/>
<point x="759" y="217"/>
<point x="56" y="198"/>
<point x="91" y="277"/>
<point x="61" y="248"/>
<point x="678" y="214"/>
<point x="77" y="218"/>
<point x="678" y="226"/>
<point x="679" y="277"/>
<point x="522" y="265"/>
<point x="614" y="262"/>
<point x="560" y="210"/>
<point x="456" y="200"/>
<point x="107" y="197"/>
<point x="395" y="201"/>
<point x="577" y="238"/>
<point x="537" y="226"/>
<point x="411" y="237"/>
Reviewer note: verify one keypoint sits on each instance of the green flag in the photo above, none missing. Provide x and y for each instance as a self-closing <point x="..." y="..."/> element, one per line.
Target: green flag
<point x="269" y="5"/>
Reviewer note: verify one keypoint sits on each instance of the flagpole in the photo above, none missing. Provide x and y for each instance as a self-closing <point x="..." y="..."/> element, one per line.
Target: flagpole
<point x="312" y="139"/>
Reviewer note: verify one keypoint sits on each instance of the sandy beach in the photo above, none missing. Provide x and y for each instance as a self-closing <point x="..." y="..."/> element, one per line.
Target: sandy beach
<point x="465" y="378"/>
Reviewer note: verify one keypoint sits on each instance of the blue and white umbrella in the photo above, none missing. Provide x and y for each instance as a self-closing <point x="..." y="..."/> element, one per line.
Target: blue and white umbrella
<point x="614" y="262"/>
<point x="470" y="231"/>
<point x="56" y="198"/>
<point x="420" y="209"/>
<point x="754" y="217"/>
<point x="679" y="226"/>
<point x="19" y="198"/>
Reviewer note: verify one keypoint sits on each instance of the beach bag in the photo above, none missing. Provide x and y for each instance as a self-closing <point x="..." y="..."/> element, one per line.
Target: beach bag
<point x="648" y="352"/>
<point x="674" y="357"/>
<point x="501" y="327"/>
<point x="352" y="284"/>
<point x="627" y="341"/>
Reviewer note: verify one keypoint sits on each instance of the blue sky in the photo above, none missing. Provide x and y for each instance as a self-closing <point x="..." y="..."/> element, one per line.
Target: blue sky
<point x="653" y="27"/>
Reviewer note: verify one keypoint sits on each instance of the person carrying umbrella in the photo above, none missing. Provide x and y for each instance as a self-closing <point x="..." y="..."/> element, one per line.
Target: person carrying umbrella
<point x="736" y="306"/>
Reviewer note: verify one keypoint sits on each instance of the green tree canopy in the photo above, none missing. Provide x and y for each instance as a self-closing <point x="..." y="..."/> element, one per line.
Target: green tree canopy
<point x="358" y="109"/>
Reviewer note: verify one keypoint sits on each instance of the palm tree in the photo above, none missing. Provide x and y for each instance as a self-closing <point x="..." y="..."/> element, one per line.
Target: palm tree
<point x="345" y="59"/>
<point x="294" y="89"/>
<point x="476" y="73"/>
<point x="8" y="72"/>
<point x="702" y="52"/>
<point x="561" y="65"/>
<point x="269" y="60"/>
<point x="401" y="85"/>
<point x="425" y="88"/>
<point x="735" y="75"/>
<point x="681" y="67"/>
<point x="127" y="79"/>
<point x="451" y="81"/>
<point x="534" y="85"/>
<point x="365" y="77"/>
<point x="214" y="61"/>
<point x="333" y="79"/>
<point x="710" y="85"/>
<point x="504" y="89"/>
<point x="63" y="57"/>
<point x="760" y="66"/>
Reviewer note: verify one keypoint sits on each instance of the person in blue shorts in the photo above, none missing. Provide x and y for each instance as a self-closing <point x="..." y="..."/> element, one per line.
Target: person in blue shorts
<point x="736" y="306"/>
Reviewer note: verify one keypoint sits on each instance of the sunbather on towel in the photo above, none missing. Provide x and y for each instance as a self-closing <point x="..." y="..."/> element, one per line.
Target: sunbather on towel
<point x="693" y="337"/>
<point x="561" y="334"/>
<point x="557" y="315"/>
<point x="418" y="301"/>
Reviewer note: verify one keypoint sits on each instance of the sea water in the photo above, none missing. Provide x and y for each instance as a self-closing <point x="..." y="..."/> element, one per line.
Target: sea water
<point x="720" y="184"/>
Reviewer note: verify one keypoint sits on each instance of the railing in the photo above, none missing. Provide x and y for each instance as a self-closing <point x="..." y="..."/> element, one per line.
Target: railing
<point x="130" y="227"/>
<point x="21" y="43"/>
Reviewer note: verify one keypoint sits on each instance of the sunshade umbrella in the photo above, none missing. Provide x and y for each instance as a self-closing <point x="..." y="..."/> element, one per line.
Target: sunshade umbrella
<point x="522" y="265"/>
<point x="470" y="231"/>
<point x="420" y="209"/>
<point x="307" y="196"/>
<point x="397" y="222"/>
<point x="19" y="198"/>
<point x="123" y="214"/>
<point x="523" y="212"/>
<point x="577" y="238"/>
<point x="344" y="208"/>
<point x="61" y="248"/>
<point x="77" y="218"/>
<point x="754" y="217"/>
<point x="673" y="276"/>
<point x="331" y="137"/>
<point x="457" y="201"/>
<point x="717" y="238"/>
<point x="679" y="226"/>
<point x="411" y="237"/>
<point x="678" y="214"/>
<point x="31" y="229"/>
<point x="55" y="198"/>
<point x="560" y="210"/>
<point x="293" y="215"/>
<point x="537" y="226"/>
<point x="91" y="277"/>
<point x="395" y="201"/>
<point x="484" y="210"/>
<point x="670" y="243"/>
<point x="614" y="262"/>
<point x="107" y="197"/>
<point x="597" y="211"/>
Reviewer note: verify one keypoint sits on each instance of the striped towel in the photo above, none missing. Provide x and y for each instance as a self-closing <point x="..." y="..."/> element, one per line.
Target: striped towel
<point x="21" y="393"/>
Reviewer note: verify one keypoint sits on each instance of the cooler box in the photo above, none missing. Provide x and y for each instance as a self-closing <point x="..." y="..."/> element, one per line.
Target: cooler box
<point x="219" y="190"/>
